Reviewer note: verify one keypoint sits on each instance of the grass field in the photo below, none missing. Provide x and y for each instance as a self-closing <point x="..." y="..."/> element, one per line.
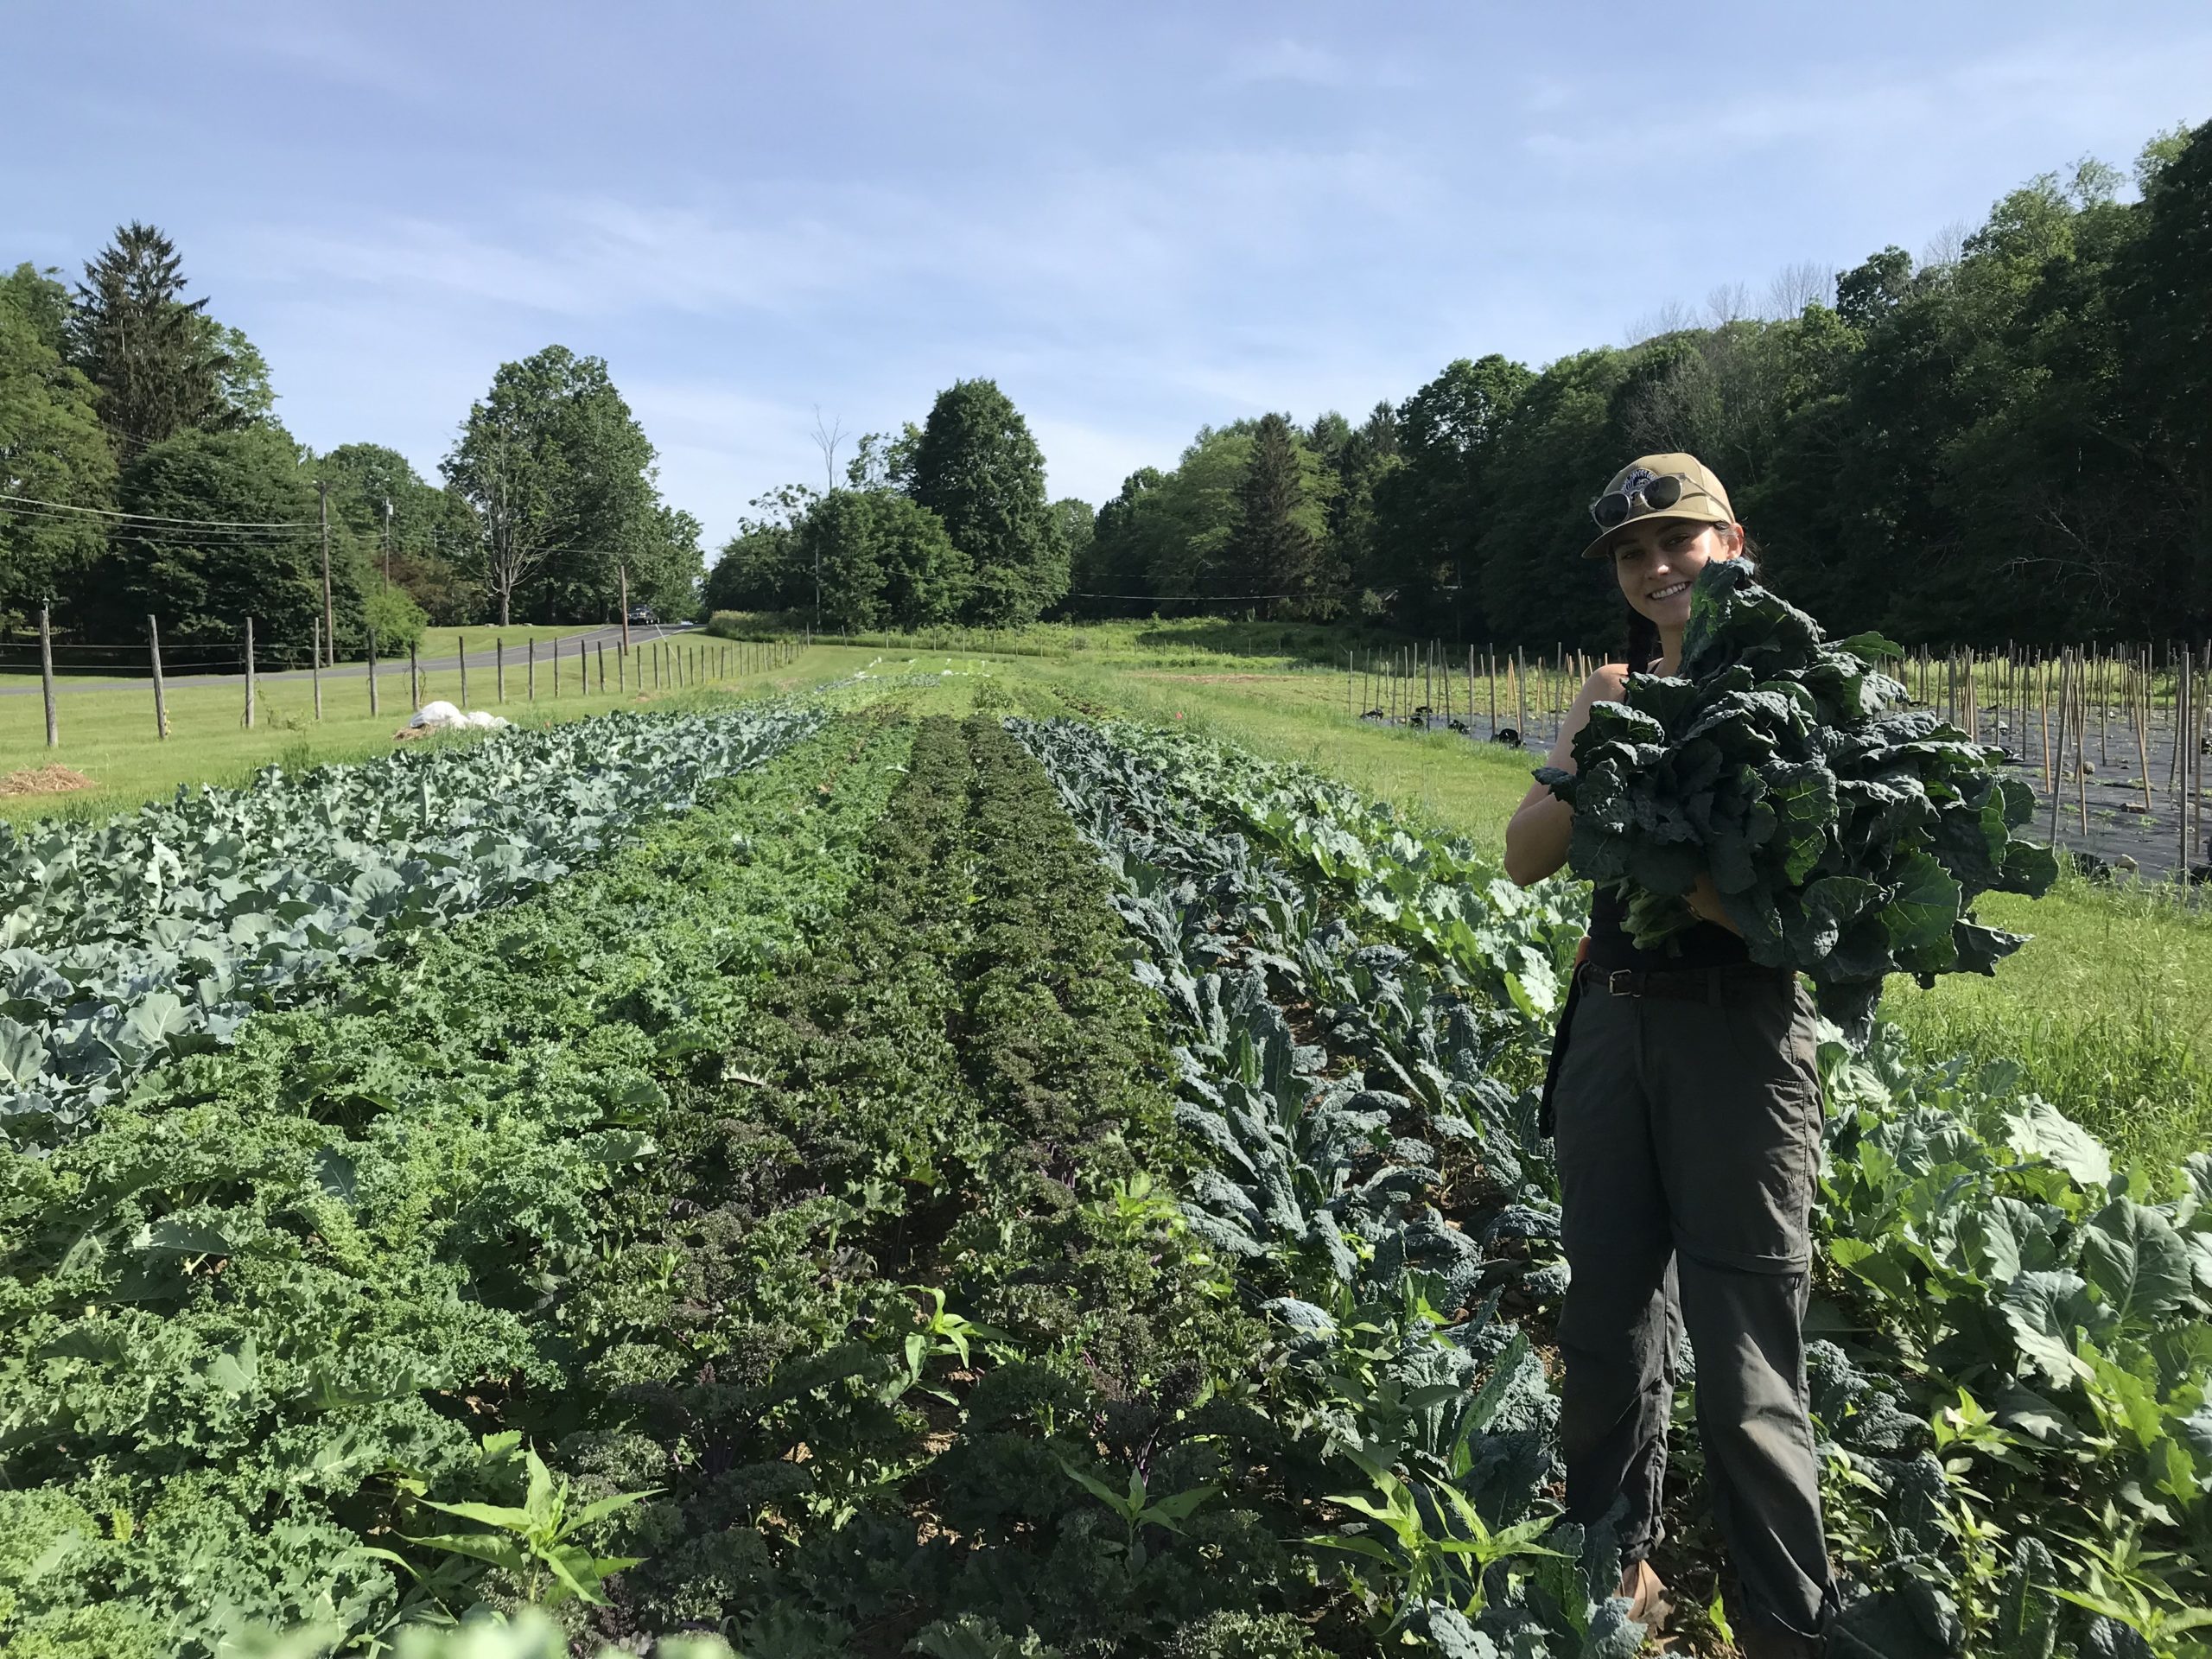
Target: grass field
<point x="2108" y="1009"/>
<point x="108" y="736"/>
<point x="182" y="663"/>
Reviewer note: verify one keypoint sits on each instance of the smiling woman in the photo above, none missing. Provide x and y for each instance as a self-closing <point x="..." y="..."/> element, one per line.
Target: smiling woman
<point x="1687" y="1117"/>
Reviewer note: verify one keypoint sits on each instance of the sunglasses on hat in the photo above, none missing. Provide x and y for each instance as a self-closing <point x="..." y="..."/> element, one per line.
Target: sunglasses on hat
<point x="1656" y="491"/>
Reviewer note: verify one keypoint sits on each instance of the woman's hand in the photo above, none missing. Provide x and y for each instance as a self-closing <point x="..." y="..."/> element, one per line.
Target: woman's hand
<point x="1704" y="901"/>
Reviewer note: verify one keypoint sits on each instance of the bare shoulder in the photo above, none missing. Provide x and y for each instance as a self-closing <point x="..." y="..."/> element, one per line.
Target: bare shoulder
<point x="1606" y="684"/>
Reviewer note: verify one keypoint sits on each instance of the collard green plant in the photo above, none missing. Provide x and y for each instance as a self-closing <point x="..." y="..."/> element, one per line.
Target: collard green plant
<point x="1848" y="836"/>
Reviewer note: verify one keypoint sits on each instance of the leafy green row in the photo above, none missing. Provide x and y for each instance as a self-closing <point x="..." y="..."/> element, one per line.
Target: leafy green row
<point x="1374" y="1189"/>
<point x="279" y="1295"/>
<point x="154" y="934"/>
<point x="2018" y="1330"/>
<point x="918" y="1283"/>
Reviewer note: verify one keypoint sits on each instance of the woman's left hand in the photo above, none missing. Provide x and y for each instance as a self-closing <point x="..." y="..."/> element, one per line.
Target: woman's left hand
<point x="1704" y="901"/>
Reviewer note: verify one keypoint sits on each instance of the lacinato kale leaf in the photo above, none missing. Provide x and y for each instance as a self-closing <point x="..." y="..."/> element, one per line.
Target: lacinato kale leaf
<point x="1848" y="835"/>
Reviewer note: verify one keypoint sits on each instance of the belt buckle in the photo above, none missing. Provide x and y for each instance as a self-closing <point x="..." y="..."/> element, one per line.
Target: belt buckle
<point x="1621" y="982"/>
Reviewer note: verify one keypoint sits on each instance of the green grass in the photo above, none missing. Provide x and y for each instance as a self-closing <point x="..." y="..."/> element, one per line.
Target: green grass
<point x="109" y="737"/>
<point x="183" y="661"/>
<point x="2108" y="1009"/>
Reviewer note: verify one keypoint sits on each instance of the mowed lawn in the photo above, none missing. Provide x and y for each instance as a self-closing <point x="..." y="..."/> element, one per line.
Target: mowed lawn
<point x="108" y="737"/>
<point x="19" y="658"/>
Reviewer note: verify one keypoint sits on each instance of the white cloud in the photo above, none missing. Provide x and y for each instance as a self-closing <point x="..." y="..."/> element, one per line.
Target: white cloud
<point x="1289" y="61"/>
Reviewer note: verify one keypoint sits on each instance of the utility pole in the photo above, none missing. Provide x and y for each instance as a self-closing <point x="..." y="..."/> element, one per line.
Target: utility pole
<point x="329" y="615"/>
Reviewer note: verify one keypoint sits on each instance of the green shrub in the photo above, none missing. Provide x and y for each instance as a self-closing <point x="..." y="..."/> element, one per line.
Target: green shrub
<point x="395" y="619"/>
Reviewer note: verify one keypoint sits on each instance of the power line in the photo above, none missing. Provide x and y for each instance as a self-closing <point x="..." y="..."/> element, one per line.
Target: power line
<point x="159" y="518"/>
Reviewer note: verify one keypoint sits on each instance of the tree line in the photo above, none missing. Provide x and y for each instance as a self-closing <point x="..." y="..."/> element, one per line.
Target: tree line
<point x="943" y="522"/>
<point x="2008" y="438"/>
<point x="144" y="471"/>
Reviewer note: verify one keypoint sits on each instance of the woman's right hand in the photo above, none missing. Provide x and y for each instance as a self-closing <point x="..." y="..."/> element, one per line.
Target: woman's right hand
<point x="1537" y="835"/>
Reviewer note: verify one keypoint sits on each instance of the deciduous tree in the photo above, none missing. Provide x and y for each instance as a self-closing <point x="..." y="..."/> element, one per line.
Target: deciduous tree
<point x="979" y="469"/>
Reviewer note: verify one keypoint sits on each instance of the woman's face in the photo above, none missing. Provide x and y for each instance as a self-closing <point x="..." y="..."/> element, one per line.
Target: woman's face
<point x="1655" y="563"/>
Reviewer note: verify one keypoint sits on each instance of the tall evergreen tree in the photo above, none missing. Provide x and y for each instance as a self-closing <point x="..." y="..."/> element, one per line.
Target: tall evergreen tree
<point x="1273" y="547"/>
<point x="158" y="363"/>
<point x="979" y="469"/>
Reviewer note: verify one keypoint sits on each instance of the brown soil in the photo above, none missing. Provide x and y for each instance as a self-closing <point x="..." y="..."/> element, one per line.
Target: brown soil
<point x="43" y="781"/>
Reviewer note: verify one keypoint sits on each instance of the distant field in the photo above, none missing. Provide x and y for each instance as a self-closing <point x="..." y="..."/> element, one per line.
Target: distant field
<point x="19" y="658"/>
<point x="109" y="737"/>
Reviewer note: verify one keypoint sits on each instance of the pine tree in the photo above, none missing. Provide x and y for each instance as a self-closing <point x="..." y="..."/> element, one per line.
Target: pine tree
<point x="158" y="363"/>
<point x="1272" y="547"/>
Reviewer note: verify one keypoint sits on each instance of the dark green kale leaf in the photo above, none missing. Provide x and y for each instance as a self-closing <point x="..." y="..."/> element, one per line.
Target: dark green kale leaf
<point x="1848" y="835"/>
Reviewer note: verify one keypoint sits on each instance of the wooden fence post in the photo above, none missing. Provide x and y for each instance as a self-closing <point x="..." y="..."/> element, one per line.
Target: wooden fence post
<point x="161" y="702"/>
<point x="46" y="675"/>
<point x="601" y="649"/>
<point x="248" y="673"/>
<point x="461" y="656"/>
<point x="529" y="674"/>
<point x="499" y="670"/>
<point x="373" y="708"/>
<point x="315" y="669"/>
<point x="413" y="678"/>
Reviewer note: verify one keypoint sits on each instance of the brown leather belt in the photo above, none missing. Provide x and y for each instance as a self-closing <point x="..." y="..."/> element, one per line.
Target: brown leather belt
<point x="1687" y="984"/>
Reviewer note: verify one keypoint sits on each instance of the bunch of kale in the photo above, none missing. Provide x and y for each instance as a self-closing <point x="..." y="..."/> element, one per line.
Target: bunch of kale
<point x="1848" y="836"/>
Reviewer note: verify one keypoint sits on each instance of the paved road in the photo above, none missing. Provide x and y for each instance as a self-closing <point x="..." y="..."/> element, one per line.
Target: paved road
<point x="640" y="634"/>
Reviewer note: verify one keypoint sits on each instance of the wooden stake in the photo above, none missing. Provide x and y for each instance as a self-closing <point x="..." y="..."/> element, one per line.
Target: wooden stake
<point x="2065" y="684"/>
<point x="461" y="655"/>
<point x="529" y="670"/>
<point x="372" y="671"/>
<point x="499" y="670"/>
<point x="315" y="667"/>
<point x="248" y="673"/>
<point x="161" y="702"/>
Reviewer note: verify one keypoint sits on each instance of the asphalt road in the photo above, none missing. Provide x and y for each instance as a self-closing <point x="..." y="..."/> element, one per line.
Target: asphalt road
<point x="640" y="634"/>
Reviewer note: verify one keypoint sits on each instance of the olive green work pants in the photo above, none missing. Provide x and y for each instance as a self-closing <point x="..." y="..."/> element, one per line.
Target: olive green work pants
<point x="1688" y="1137"/>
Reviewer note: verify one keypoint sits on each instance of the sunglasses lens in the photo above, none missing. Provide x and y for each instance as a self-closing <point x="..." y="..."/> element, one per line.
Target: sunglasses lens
<point x="1610" y="510"/>
<point x="1663" y="492"/>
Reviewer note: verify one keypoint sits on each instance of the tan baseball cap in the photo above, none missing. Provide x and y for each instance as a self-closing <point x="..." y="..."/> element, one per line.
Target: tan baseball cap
<point x="1701" y="501"/>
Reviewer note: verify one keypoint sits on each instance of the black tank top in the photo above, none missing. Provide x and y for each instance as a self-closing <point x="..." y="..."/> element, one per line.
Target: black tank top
<point x="1703" y="945"/>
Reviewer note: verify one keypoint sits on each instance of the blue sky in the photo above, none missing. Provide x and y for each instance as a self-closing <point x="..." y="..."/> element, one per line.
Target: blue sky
<point x="1136" y="218"/>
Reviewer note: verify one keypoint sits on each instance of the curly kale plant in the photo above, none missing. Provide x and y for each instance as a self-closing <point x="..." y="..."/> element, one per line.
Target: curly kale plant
<point x="1848" y="836"/>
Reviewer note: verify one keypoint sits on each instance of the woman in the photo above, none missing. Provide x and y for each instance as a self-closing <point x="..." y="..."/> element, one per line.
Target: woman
<point x="1687" y="1115"/>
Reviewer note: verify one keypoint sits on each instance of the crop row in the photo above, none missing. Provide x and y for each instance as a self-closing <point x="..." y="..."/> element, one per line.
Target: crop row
<point x="128" y="942"/>
<point x="906" y="1296"/>
<point x="277" y="1299"/>
<point x="2017" y="1330"/>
